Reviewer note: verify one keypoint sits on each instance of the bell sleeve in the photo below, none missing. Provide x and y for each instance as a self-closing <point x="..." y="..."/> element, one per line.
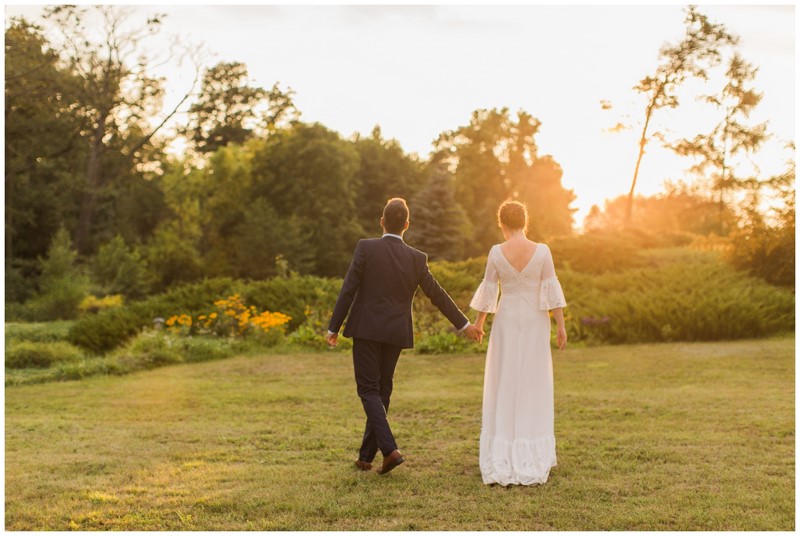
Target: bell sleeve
<point x="485" y="298"/>
<point x="551" y="296"/>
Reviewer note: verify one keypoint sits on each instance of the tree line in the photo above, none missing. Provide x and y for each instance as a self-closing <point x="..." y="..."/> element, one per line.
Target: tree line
<point x="257" y="192"/>
<point x="93" y="194"/>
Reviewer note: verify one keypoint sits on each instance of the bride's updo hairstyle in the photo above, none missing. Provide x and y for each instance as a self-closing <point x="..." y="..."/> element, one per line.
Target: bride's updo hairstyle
<point x="513" y="215"/>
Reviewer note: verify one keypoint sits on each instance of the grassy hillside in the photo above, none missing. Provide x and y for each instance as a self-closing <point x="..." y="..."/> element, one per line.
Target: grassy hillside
<point x="679" y="436"/>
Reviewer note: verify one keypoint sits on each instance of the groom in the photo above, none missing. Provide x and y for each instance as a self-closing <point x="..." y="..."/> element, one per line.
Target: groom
<point x="380" y="285"/>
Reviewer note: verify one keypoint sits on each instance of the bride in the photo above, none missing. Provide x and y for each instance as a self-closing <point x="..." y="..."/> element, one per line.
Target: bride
<point x="517" y="444"/>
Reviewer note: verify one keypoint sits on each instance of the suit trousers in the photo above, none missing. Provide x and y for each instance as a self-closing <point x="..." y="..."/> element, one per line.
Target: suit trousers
<point x="374" y="364"/>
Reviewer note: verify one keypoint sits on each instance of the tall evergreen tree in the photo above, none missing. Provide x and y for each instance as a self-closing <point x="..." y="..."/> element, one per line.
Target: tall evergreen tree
<point x="385" y="171"/>
<point x="438" y="222"/>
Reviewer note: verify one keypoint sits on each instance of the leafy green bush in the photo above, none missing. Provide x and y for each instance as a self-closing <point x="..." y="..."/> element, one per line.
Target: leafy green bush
<point x="38" y="331"/>
<point x="154" y="348"/>
<point x="680" y="295"/>
<point x="62" y="284"/>
<point x="446" y="342"/>
<point x="107" y="330"/>
<point x="310" y="335"/>
<point x="294" y="296"/>
<point x="118" y="269"/>
<point x="28" y="354"/>
<point x="151" y="349"/>
<point x="665" y="294"/>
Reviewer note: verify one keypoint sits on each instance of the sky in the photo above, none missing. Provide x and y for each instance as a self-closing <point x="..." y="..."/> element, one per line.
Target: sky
<point x="419" y="70"/>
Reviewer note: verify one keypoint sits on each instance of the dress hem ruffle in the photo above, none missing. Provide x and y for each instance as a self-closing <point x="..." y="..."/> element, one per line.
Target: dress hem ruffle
<point x="518" y="461"/>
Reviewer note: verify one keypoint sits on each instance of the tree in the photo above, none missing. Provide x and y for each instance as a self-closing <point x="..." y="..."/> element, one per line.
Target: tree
<point x="682" y="208"/>
<point x="494" y="158"/>
<point x="42" y="152"/>
<point x="116" y="97"/>
<point x="309" y="172"/>
<point x="730" y="136"/>
<point x="229" y="110"/>
<point x="385" y="171"/>
<point x="62" y="284"/>
<point x="764" y="248"/>
<point x="438" y="222"/>
<point x="691" y="57"/>
<point x="548" y="202"/>
<point x="118" y="269"/>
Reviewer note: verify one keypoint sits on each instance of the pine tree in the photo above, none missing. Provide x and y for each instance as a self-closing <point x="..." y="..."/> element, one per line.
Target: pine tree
<point x="438" y="223"/>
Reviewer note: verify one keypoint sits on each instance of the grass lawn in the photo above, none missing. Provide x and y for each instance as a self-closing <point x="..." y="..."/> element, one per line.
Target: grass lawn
<point x="667" y="436"/>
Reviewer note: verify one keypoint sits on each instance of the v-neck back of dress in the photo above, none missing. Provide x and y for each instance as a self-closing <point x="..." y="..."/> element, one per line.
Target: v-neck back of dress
<point x="527" y="264"/>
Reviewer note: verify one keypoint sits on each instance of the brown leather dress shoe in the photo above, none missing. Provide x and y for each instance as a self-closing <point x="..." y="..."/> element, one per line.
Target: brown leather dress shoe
<point x="391" y="461"/>
<point x="364" y="466"/>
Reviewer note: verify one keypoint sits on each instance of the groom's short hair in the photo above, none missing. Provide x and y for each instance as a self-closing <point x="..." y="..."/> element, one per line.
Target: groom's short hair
<point x="395" y="215"/>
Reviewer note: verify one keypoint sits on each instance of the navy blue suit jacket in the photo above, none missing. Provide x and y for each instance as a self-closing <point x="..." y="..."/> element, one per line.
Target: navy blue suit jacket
<point x="380" y="286"/>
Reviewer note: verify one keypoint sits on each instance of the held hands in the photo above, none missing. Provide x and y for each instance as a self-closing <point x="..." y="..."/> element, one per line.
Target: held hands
<point x="474" y="333"/>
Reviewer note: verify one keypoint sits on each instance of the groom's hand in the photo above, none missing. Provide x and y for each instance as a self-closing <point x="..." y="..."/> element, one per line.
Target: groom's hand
<point x="331" y="338"/>
<point x="474" y="333"/>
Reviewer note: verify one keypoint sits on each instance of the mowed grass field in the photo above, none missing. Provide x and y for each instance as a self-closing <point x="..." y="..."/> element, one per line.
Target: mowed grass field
<point x="658" y="437"/>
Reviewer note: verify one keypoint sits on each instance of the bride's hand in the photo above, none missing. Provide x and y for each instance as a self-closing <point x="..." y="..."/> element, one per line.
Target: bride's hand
<point x="561" y="338"/>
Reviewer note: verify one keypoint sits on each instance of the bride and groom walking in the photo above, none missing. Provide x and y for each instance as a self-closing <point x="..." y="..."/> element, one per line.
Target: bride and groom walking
<point x="517" y="441"/>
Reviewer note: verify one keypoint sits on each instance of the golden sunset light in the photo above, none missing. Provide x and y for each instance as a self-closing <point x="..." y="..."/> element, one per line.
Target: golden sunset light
<point x="417" y="70"/>
<point x="400" y="267"/>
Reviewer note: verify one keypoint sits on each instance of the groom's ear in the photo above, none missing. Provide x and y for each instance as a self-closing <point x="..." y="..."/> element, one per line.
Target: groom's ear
<point x="405" y="227"/>
<point x="383" y="226"/>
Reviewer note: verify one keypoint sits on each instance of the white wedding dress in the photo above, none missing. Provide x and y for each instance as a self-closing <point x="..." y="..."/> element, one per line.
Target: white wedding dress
<point x="517" y="444"/>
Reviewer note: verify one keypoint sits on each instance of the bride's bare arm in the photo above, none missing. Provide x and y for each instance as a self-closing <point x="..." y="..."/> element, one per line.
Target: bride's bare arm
<point x="561" y="334"/>
<point x="481" y="319"/>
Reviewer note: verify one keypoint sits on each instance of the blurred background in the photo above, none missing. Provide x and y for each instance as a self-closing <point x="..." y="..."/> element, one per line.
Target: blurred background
<point x="160" y="158"/>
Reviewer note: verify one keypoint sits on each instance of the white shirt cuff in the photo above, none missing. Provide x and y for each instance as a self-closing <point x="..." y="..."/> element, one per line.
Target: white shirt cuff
<point x="465" y="326"/>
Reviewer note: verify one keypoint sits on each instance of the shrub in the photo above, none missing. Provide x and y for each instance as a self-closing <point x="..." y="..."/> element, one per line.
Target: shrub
<point x="149" y="350"/>
<point x="118" y="269"/>
<point x="38" y="331"/>
<point x="311" y="334"/>
<point x="62" y="285"/>
<point x="28" y="354"/>
<point x="294" y="296"/>
<point x="108" y="329"/>
<point x="93" y="305"/>
<point x="682" y="295"/>
<point x="446" y="342"/>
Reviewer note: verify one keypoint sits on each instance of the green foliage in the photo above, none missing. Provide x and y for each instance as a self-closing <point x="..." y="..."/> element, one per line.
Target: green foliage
<point x="20" y="281"/>
<point x="38" y="332"/>
<point x="30" y="354"/>
<point x="385" y="171"/>
<point x="226" y="111"/>
<point x="93" y="304"/>
<point x="309" y="172"/>
<point x="29" y="362"/>
<point x="445" y="342"/>
<point x="439" y="222"/>
<point x="310" y="334"/>
<point x="171" y="259"/>
<point x="62" y="284"/>
<point x="106" y="330"/>
<point x="42" y="162"/>
<point x="295" y="296"/>
<point x="678" y="295"/>
<point x="495" y="158"/>
<point x="767" y="250"/>
<point x="118" y="269"/>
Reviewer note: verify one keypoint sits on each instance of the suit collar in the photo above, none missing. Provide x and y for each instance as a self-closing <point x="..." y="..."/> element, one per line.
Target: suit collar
<point x="390" y="235"/>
